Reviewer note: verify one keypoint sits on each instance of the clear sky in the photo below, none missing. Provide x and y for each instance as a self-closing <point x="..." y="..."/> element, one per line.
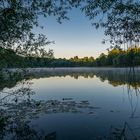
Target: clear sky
<point x="73" y="37"/>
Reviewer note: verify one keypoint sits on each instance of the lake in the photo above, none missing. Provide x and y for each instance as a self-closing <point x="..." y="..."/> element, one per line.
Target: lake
<point x="70" y="104"/>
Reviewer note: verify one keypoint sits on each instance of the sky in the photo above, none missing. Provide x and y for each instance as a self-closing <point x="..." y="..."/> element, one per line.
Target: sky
<point x="74" y="37"/>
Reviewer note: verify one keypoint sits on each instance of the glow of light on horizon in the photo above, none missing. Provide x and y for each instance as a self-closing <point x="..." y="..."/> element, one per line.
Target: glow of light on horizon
<point x="73" y="38"/>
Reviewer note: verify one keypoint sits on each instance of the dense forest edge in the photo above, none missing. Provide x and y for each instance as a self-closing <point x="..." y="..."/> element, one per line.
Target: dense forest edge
<point x="116" y="57"/>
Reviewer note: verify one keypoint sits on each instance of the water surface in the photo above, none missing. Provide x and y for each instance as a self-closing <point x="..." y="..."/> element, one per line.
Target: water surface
<point x="66" y="104"/>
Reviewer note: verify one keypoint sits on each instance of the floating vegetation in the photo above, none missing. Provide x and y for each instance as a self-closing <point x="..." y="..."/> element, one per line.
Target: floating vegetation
<point x="15" y="116"/>
<point x="67" y="98"/>
<point x="51" y="136"/>
<point x="18" y="109"/>
<point x="33" y="107"/>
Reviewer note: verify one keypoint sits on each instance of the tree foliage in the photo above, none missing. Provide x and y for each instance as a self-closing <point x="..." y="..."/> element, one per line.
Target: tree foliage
<point x="119" y="18"/>
<point x="19" y="17"/>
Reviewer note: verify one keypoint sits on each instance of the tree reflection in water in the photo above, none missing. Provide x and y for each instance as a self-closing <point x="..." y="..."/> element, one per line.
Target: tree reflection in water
<point x="131" y="79"/>
<point x="133" y="92"/>
<point x="17" y="108"/>
<point x="122" y="133"/>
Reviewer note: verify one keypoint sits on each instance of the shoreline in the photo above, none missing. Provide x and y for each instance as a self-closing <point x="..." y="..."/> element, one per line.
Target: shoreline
<point x="71" y="69"/>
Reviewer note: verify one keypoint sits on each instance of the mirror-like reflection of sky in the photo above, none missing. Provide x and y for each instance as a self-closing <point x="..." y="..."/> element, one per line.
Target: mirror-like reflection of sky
<point x="60" y="87"/>
<point x="113" y="101"/>
<point x="113" y="105"/>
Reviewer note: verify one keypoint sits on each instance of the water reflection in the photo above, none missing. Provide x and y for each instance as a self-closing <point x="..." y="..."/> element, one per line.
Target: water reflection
<point x="125" y="132"/>
<point x="18" y="108"/>
<point x="15" y="117"/>
<point x="133" y="92"/>
<point x="115" y="77"/>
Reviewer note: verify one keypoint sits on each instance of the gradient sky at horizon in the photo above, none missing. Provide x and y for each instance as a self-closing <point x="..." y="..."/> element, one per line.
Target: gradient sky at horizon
<point x="75" y="37"/>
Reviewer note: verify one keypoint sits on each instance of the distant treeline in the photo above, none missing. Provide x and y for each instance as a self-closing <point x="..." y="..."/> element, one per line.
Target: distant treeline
<point x="116" y="57"/>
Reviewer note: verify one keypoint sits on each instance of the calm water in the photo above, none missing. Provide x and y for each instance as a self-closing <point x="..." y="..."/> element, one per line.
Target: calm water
<point x="70" y="105"/>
